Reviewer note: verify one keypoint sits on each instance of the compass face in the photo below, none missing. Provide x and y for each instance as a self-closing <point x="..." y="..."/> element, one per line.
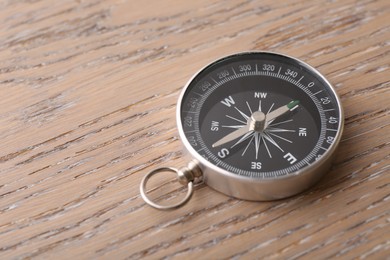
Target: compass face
<point x="259" y="115"/>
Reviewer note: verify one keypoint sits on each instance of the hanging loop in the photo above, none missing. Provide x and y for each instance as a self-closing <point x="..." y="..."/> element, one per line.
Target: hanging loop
<point x="185" y="176"/>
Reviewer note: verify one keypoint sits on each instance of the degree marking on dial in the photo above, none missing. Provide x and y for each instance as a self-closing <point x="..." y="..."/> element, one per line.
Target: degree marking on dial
<point x="238" y="120"/>
<point x="214" y="80"/>
<point x="327" y="110"/>
<point x="279" y="70"/>
<point x="256" y="67"/>
<point x="317" y="92"/>
<point x="323" y="148"/>
<point x="328" y="129"/>
<point x="300" y="79"/>
<point x="234" y="71"/>
<point x="197" y="93"/>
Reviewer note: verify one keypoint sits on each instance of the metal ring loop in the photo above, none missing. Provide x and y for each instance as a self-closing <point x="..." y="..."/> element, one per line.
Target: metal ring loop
<point x="158" y="206"/>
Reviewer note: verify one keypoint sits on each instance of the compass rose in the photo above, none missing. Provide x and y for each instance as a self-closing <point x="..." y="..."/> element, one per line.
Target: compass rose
<point x="259" y="128"/>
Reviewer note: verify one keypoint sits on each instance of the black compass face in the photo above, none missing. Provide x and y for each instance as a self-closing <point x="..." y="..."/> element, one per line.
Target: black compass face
<point x="259" y="115"/>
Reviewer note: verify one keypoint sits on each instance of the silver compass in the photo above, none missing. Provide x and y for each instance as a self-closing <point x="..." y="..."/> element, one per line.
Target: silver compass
<point x="256" y="126"/>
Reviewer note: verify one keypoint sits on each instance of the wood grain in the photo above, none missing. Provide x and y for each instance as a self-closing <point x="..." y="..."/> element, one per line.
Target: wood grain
<point x="88" y="92"/>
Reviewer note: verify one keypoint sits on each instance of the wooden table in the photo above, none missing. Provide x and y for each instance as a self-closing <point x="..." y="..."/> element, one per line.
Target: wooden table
<point x="88" y="95"/>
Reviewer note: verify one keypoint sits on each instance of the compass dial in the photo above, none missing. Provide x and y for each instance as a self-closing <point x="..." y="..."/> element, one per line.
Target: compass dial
<point x="259" y="115"/>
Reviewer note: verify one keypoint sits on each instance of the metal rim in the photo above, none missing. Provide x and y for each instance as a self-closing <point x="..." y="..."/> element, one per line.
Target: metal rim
<point x="159" y="206"/>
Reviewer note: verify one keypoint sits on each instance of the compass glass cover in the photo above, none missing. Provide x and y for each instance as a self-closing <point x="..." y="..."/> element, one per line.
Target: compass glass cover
<point x="285" y="115"/>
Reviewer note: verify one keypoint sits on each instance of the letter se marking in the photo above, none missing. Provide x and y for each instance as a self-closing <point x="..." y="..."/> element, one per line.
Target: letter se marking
<point x="255" y="165"/>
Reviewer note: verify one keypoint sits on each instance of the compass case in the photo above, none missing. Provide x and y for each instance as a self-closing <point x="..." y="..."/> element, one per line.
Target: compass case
<point x="265" y="187"/>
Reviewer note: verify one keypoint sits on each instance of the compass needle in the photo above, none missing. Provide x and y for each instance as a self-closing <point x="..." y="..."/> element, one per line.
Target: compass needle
<point x="233" y="126"/>
<point x="278" y="130"/>
<point x="232" y="136"/>
<point x="271" y="116"/>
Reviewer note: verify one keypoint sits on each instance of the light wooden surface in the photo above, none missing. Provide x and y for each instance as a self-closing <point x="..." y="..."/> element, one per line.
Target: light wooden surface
<point x="88" y="92"/>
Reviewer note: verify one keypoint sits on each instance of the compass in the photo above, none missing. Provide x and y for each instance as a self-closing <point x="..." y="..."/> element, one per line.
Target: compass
<point x="256" y="126"/>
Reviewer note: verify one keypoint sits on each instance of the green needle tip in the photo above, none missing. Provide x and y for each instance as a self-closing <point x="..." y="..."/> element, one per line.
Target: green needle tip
<point x="292" y="104"/>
